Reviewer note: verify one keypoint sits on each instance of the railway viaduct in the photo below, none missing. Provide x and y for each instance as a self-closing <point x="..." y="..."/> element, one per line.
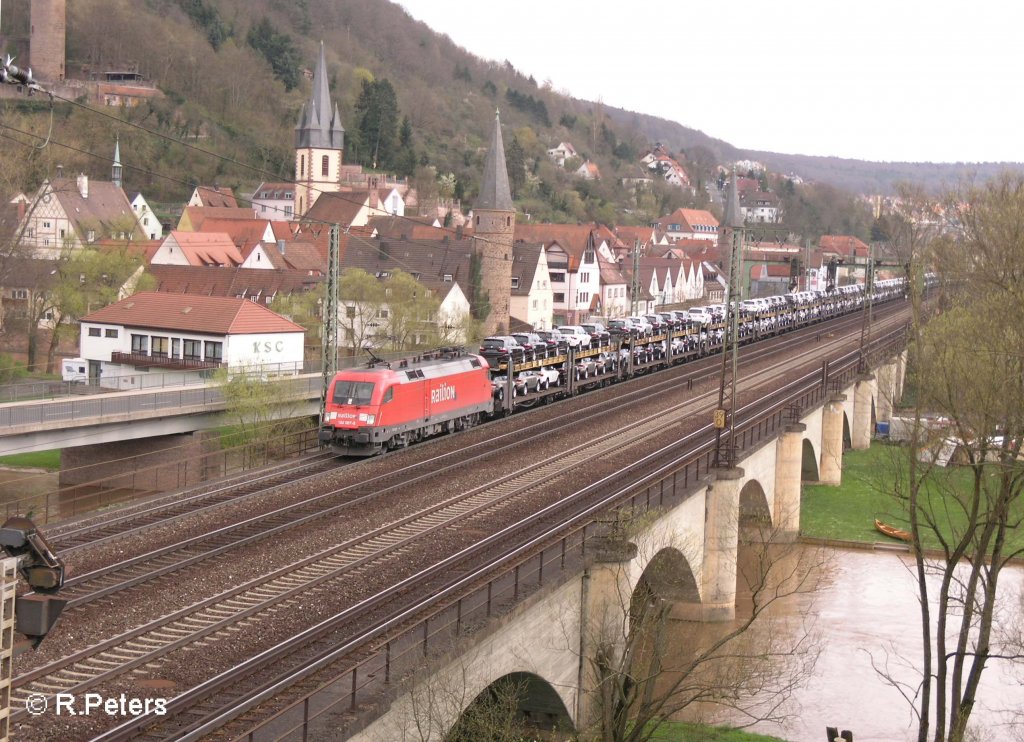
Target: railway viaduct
<point x="539" y="618"/>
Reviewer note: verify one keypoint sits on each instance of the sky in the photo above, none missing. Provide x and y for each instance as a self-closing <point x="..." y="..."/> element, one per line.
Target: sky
<point x="885" y="81"/>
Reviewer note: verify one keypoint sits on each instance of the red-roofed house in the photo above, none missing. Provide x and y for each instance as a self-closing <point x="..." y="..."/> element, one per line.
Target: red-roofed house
<point x="588" y="171"/>
<point x="213" y="196"/>
<point x="842" y="246"/>
<point x="689" y="224"/>
<point x="197" y="248"/>
<point x="156" y="334"/>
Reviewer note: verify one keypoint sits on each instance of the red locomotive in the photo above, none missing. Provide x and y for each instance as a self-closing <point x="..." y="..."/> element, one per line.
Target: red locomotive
<point x="390" y="405"/>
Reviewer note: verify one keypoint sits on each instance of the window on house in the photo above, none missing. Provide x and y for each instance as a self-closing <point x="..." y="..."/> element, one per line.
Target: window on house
<point x="325" y="166"/>
<point x="350" y="312"/>
<point x="46" y="225"/>
<point x="90" y="236"/>
<point x="515" y="282"/>
<point x="558" y="298"/>
<point x="192" y="349"/>
<point x="289" y="195"/>
<point x="140" y="343"/>
<point x="382" y="313"/>
<point x="558" y="277"/>
<point x="447" y="278"/>
<point x="94" y="332"/>
<point x="62" y="234"/>
<point x="160" y="345"/>
<point x="109" y="333"/>
<point x="288" y="209"/>
<point x="214" y="350"/>
<point x="302" y="166"/>
<point x="19" y="294"/>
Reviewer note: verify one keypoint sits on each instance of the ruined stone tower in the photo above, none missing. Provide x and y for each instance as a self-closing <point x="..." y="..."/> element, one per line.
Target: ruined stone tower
<point x="47" y="32"/>
<point x="494" y="222"/>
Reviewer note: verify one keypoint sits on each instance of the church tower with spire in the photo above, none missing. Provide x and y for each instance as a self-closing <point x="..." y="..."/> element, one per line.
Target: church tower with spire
<point x="319" y="143"/>
<point x="115" y="169"/>
<point x="494" y="222"/>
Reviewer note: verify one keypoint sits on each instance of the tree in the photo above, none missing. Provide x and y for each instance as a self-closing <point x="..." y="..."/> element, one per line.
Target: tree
<point x="279" y="50"/>
<point x="362" y="301"/>
<point x="87" y="279"/>
<point x="515" y="159"/>
<point x="411" y="312"/>
<point x="968" y="363"/>
<point x="377" y="118"/>
<point x="640" y="678"/>
<point x="305" y="308"/>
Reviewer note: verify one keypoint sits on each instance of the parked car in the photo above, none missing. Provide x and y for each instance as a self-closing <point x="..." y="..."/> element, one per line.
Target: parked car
<point x="622" y="327"/>
<point x="586" y="367"/>
<point x="502" y="347"/>
<point x="557" y="342"/>
<point x="539" y="379"/>
<point x="644" y="327"/>
<point x="575" y="335"/>
<point x="535" y="346"/>
<point x="599" y="334"/>
<point x="499" y="383"/>
<point x="701" y="315"/>
<point x="606" y="363"/>
<point x="657" y="323"/>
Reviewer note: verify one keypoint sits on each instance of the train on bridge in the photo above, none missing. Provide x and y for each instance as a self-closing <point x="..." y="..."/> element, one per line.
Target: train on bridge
<point x="390" y="405"/>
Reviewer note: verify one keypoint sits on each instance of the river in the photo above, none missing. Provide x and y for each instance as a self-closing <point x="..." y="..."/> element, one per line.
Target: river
<point x="869" y="605"/>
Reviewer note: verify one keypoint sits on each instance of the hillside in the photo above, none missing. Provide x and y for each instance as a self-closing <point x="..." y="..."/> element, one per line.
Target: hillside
<point x="231" y="75"/>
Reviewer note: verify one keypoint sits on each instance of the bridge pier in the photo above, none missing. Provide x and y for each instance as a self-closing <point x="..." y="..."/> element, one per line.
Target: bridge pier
<point x="603" y="625"/>
<point x="721" y="538"/>
<point x="886" y="398"/>
<point x="865" y="389"/>
<point x="830" y="468"/>
<point x="788" y="475"/>
<point x="160" y="463"/>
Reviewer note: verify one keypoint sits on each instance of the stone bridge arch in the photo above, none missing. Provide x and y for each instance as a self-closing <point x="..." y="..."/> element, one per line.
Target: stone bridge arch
<point x="668" y="576"/>
<point x="523" y="698"/>
<point x="809" y="462"/>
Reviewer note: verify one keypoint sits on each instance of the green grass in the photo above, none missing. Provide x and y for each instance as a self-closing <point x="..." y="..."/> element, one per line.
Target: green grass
<point x="870" y="480"/>
<point x="672" y="731"/>
<point x="49" y="460"/>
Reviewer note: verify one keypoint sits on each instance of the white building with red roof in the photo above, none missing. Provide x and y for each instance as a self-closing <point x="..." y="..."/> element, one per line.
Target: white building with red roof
<point x="174" y="338"/>
<point x="197" y="248"/>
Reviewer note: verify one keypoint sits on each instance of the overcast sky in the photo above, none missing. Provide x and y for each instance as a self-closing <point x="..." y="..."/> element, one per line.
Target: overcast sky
<point x="892" y="80"/>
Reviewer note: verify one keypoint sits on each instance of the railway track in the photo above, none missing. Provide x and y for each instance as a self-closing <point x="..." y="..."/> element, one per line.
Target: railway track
<point x="195" y="550"/>
<point x="219" y="617"/>
<point x="243" y="688"/>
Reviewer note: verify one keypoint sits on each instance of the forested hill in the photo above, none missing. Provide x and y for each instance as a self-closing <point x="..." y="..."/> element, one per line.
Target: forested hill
<point x="231" y="72"/>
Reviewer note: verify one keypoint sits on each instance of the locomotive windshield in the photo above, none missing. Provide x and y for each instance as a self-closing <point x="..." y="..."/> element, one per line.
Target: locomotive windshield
<point x="352" y="392"/>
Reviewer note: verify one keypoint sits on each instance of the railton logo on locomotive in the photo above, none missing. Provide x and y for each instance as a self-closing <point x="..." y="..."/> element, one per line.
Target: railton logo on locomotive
<point x="443" y="393"/>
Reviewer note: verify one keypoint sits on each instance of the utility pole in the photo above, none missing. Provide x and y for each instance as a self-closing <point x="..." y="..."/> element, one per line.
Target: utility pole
<point x="329" y="341"/>
<point x="725" y="417"/>
<point x="634" y="287"/>
<point x="869" y="290"/>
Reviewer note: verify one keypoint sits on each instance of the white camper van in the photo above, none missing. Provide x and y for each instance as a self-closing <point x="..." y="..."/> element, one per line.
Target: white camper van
<point x="74" y="370"/>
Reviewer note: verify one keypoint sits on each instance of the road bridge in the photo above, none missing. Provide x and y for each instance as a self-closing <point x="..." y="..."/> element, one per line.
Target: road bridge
<point x="539" y="614"/>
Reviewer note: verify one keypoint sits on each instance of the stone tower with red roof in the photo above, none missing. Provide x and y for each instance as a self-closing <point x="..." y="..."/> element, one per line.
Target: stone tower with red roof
<point x="494" y="222"/>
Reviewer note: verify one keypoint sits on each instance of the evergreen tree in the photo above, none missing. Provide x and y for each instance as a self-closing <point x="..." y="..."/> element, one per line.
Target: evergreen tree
<point x="515" y="161"/>
<point x="278" y="49"/>
<point x="377" y="117"/>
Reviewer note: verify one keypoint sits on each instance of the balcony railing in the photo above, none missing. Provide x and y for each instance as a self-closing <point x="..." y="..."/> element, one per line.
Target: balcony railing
<point x="181" y="364"/>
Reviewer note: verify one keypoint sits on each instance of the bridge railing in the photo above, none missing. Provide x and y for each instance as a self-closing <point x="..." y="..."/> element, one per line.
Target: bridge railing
<point x="398" y="648"/>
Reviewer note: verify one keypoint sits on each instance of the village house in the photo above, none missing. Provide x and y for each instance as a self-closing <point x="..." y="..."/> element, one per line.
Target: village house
<point x="151" y="335"/>
<point x="532" y="298"/>
<point x="564" y="151"/>
<point x="274" y="200"/>
<point x="67" y="214"/>
<point x="572" y="256"/>
<point x="213" y="196"/>
<point x="689" y="224"/>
